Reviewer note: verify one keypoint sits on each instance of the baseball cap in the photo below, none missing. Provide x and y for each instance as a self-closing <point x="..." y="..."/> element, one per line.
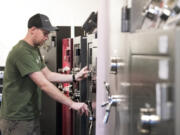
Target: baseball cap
<point x="40" y="21"/>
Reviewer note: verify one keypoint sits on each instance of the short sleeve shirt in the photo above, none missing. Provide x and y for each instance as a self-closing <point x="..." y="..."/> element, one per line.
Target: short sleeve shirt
<point x="21" y="96"/>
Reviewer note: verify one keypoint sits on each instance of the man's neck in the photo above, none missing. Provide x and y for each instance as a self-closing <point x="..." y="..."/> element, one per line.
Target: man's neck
<point x="28" y="40"/>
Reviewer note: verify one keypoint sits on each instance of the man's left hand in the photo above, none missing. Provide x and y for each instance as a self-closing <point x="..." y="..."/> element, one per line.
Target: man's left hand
<point x="82" y="74"/>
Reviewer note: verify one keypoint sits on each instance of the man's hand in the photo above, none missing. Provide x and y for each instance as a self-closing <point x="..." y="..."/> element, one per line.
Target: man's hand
<point x="80" y="107"/>
<point x="82" y="74"/>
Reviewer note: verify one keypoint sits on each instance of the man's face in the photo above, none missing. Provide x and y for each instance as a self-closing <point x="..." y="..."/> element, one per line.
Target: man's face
<point x="40" y="37"/>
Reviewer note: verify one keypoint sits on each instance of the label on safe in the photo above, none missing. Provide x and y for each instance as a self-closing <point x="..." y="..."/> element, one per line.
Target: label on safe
<point x="163" y="69"/>
<point x="163" y="44"/>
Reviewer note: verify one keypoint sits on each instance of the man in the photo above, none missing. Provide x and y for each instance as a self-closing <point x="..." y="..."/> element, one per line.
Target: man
<point x="25" y="76"/>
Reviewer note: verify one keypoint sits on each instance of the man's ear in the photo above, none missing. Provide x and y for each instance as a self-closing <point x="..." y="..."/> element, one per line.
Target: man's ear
<point x="32" y="29"/>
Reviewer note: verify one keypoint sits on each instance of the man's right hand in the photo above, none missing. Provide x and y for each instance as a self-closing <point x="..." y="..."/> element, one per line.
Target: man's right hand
<point x="80" y="107"/>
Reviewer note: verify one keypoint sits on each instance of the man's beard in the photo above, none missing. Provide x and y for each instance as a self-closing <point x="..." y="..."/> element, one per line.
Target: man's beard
<point x="38" y="43"/>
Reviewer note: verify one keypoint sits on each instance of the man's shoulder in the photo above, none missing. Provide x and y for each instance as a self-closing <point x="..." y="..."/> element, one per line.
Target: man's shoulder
<point x="20" y="49"/>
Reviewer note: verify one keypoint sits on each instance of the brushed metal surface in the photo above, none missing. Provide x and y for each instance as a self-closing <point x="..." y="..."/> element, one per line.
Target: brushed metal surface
<point x="147" y="71"/>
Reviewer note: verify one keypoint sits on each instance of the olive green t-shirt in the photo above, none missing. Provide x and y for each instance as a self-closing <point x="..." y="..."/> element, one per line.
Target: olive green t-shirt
<point x="21" y="96"/>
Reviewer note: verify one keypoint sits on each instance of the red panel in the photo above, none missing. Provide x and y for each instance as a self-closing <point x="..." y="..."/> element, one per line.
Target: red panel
<point x="67" y="59"/>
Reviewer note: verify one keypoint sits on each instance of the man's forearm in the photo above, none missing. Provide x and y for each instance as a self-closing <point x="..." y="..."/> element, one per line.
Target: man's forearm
<point x="56" y="94"/>
<point x="57" y="77"/>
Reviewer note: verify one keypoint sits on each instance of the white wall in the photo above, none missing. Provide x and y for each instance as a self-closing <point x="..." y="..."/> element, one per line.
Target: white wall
<point x="14" y="15"/>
